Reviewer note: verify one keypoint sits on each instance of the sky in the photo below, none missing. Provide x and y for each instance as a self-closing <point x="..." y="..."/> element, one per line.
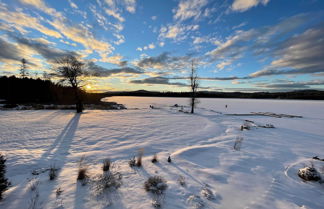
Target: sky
<point x="234" y="45"/>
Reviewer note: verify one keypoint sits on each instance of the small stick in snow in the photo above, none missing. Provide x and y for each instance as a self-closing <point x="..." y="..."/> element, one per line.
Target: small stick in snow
<point x="169" y="159"/>
<point x="154" y="160"/>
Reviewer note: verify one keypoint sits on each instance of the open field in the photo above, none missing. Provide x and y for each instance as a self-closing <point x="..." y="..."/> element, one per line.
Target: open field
<point x="261" y="172"/>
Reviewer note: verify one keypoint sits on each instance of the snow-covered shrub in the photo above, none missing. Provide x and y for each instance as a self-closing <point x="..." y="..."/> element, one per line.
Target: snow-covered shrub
<point x="182" y="181"/>
<point x="309" y="174"/>
<point x="132" y="162"/>
<point x="4" y="183"/>
<point x="105" y="181"/>
<point x="155" y="185"/>
<point x="106" y="165"/>
<point x="238" y="143"/>
<point x="207" y="193"/>
<point x="195" y="201"/>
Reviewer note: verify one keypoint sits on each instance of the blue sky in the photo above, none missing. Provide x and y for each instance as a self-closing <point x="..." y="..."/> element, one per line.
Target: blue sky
<point x="236" y="45"/>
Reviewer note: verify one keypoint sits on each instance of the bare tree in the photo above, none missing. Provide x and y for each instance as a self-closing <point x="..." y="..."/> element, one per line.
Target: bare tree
<point x="193" y="87"/>
<point x="70" y="70"/>
<point x="23" y="68"/>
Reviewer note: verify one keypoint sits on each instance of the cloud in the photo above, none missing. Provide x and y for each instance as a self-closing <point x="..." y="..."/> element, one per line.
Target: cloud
<point x="115" y="14"/>
<point x="39" y="4"/>
<point x="164" y="62"/>
<point x="128" y="5"/>
<point x="157" y="80"/>
<point x="177" y="32"/>
<point x="20" y="21"/>
<point x="98" y="71"/>
<point x="117" y="60"/>
<point x="154" y="17"/>
<point x="189" y="9"/>
<point x="266" y="42"/>
<point x="291" y="84"/>
<point x="83" y="36"/>
<point x="9" y="51"/>
<point x="42" y="49"/>
<point x="244" y="5"/>
<point x="73" y="5"/>
<point x="301" y="54"/>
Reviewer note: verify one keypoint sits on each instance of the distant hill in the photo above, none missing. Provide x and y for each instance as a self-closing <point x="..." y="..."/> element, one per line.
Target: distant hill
<point x="300" y="94"/>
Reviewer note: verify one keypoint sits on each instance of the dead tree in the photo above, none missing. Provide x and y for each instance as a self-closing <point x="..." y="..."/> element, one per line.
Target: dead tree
<point x="193" y="87"/>
<point x="70" y="70"/>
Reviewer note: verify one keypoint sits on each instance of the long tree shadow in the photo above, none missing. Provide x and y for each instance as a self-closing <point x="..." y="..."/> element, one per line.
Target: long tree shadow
<point x="59" y="149"/>
<point x="58" y="152"/>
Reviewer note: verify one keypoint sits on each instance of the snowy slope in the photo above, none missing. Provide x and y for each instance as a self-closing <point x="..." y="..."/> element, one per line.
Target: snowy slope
<point x="262" y="174"/>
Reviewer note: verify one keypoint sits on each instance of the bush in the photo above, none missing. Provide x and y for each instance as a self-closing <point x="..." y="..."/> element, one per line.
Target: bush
<point x="52" y="172"/>
<point x="139" y="158"/>
<point x="155" y="185"/>
<point x="108" y="180"/>
<point x="106" y="165"/>
<point x="4" y="183"/>
<point x="154" y="159"/>
<point x="83" y="170"/>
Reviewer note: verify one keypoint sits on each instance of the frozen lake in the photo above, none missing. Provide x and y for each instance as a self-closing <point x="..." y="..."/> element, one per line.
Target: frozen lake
<point x="260" y="173"/>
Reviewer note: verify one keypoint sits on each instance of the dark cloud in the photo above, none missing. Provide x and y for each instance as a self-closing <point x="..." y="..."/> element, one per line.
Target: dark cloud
<point x="158" y="80"/>
<point x="48" y="52"/>
<point x="165" y="61"/>
<point x="98" y="71"/>
<point x="302" y="54"/>
<point x="291" y="84"/>
<point x="8" y="51"/>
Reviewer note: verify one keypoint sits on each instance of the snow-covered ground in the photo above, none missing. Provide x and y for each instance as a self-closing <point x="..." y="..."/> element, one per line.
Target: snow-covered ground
<point x="261" y="174"/>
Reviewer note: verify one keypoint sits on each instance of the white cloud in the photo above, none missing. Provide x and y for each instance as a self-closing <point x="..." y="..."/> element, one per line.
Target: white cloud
<point x="73" y="5"/>
<point x="177" y="32"/>
<point x="20" y="21"/>
<point x="161" y="44"/>
<point x="223" y="64"/>
<point x="151" y="46"/>
<point x="139" y="49"/>
<point x="189" y="9"/>
<point x="154" y="17"/>
<point x="243" y="5"/>
<point x="115" y="14"/>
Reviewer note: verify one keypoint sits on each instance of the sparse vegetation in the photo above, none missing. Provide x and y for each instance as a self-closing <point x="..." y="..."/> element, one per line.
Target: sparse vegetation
<point x="155" y="185"/>
<point x="238" y="143"/>
<point x="154" y="159"/>
<point x="169" y="159"/>
<point x="34" y="200"/>
<point x="139" y="157"/>
<point x="108" y="180"/>
<point x="207" y="193"/>
<point x="182" y="180"/>
<point x="195" y="201"/>
<point x="309" y="173"/>
<point x="4" y="183"/>
<point x="106" y="165"/>
<point x="83" y="171"/>
<point x="132" y="162"/>
<point x="52" y="172"/>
